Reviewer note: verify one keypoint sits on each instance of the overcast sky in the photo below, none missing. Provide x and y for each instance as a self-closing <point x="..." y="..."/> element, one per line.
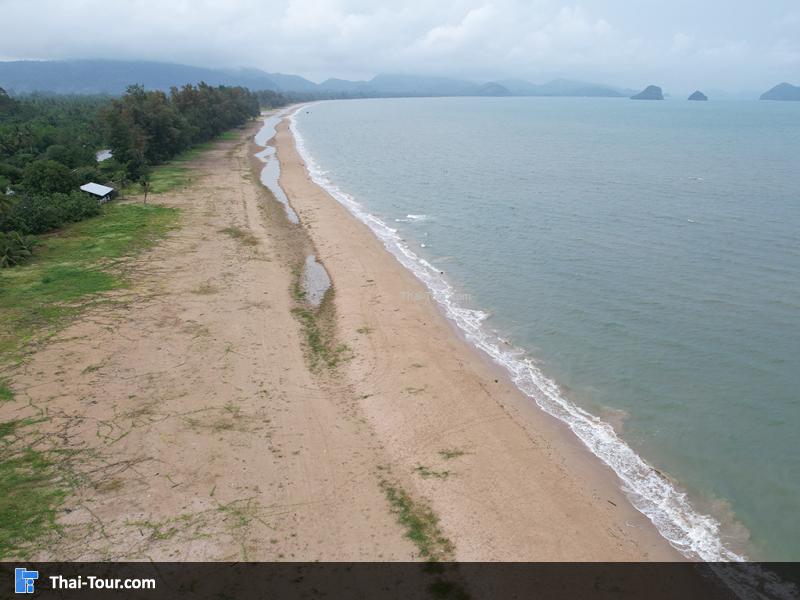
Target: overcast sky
<point x="679" y="44"/>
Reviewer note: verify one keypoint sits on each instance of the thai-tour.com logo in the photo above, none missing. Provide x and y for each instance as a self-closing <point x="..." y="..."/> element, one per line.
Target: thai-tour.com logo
<point x="24" y="582"/>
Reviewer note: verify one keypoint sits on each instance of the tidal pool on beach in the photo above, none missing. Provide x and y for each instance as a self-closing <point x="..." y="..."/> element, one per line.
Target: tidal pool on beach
<point x="315" y="281"/>
<point x="271" y="172"/>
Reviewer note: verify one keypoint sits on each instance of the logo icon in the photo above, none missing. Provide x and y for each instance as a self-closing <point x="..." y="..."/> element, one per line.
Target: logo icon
<point x="23" y="580"/>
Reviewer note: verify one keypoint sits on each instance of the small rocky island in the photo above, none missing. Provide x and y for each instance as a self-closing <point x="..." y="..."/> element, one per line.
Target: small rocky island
<point x="782" y="91"/>
<point x="698" y="95"/>
<point x="651" y="92"/>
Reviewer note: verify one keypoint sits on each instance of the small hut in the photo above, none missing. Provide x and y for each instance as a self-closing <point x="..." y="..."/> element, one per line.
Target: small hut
<point x="102" y="192"/>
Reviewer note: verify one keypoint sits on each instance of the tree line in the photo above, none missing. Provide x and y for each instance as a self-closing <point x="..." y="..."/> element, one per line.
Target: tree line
<point x="145" y="128"/>
<point x="48" y="148"/>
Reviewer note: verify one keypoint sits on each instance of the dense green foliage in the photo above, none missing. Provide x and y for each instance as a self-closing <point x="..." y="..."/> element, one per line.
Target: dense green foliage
<point x="149" y="127"/>
<point x="271" y="99"/>
<point x="40" y="213"/>
<point x="48" y="146"/>
<point x="15" y="248"/>
<point x="47" y="149"/>
<point x="48" y="176"/>
<point x="64" y="129"/>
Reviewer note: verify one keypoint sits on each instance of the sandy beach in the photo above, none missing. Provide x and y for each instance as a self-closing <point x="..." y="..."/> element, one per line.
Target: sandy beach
<point x="212" y="414"/>
<point x="521" y="488"/>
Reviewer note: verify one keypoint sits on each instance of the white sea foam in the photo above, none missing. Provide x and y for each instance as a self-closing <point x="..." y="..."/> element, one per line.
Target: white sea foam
<point x="695" y="535"/>
<point x="411" y="218"/>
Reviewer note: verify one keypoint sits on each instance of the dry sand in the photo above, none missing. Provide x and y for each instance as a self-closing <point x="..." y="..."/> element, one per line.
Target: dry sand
<point x="202" y="432"/>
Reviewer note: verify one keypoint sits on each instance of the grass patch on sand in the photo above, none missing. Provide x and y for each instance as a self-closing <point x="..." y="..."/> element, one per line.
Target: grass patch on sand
<point x="205" y="289"/>
<point x="420" y="523"/>
<point x="168" y="177"/>
<point x="428" y="473"/>
<point x="323" y="349"/>
<point x="29" y="492"/>
<point x="174" y="173"/>
<point x="298" y="293"/>
<point x="71" y="268"/>
<point x="451" y="453"/>
<point x="6" y="393"/>
<point x="245" y="237"/>
<point x="319" y="330"/>
<point x="66" y="275"/>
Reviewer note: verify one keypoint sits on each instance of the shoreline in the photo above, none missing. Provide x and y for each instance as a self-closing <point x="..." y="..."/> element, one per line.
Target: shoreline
<point x="510" y="438"/>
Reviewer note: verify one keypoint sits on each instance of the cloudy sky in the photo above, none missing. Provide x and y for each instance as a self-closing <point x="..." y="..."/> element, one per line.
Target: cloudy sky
<point x="679" y="44"/>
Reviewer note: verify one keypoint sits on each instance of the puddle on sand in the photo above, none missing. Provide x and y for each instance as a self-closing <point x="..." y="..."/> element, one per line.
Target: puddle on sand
<point x="272" y="168"/>
<point x="315" y="281"/>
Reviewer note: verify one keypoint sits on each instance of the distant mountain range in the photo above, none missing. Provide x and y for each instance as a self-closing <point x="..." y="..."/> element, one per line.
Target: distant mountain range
<point x="112" y="77"/>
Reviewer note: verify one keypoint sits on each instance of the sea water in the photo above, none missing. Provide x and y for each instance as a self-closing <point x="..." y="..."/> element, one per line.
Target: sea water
<point x="634" y="266"/>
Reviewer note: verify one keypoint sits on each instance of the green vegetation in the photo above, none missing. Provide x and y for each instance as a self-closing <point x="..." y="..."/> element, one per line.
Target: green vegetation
<point x="29" y="492"/>
<point x="48" y="177"/>
<point x="47" y="150"/>
<point x="75" y="265"/>
<point x="6" y="393"/>
<point x="318" y="326"/>
<point x="150" y="127"/>
<point x="15" y="248"/>
<point x="420" y="523"/>
<point x="451" y="453"/>
<point x="320" y="341"/>
<point x="205" y="289"/>
<point x="72" y="268"/>
<point x="245" y="237"/>
<point x="40" y="213"/>
<point x="61" y="131"/>
<point x="298" y="293"/>
<point x="168" y="177"/>
<point x="427" y="473"/>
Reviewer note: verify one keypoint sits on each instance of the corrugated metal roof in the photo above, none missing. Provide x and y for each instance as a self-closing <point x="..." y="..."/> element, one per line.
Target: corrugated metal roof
<point x="97" y="189"/>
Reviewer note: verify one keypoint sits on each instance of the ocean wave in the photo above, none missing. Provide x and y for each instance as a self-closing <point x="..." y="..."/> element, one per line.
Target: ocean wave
<point x="411" y="218"/>
<point x="695" y="535"/>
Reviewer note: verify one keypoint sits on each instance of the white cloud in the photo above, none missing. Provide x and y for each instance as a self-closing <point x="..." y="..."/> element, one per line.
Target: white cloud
<point x="610" y="40"/>
<point x="476" y="21"/>
<point x="681" y="43"/>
